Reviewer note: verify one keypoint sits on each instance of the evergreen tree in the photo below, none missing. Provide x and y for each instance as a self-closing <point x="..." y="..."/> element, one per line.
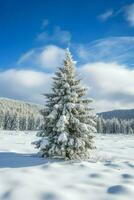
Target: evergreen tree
<point x="68" y="124"/>
<point x="99" y="125"/>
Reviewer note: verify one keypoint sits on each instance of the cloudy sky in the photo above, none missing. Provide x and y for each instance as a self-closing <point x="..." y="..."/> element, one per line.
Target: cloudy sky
<point x="99" y="33"/>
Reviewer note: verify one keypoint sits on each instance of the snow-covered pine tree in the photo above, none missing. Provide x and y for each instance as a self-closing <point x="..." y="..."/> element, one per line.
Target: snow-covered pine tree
<point x="68" y="123"/>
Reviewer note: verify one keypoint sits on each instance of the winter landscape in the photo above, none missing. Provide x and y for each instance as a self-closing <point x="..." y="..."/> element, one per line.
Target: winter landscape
<point x="108" y="175"/>
<point x="66" y="100"/>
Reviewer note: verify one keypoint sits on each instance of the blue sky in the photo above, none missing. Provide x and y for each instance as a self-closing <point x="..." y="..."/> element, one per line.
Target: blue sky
<point x="100" y="34"/>
<point x="21" y="22"/>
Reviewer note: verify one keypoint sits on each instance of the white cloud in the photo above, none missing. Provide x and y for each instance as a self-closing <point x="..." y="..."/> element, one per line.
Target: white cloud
<point x="26" y="85"/>
<point x="26" y="56"/>
<point x="129" y="13"/>
<point x="111" y="85"/>
<point x="111" y="49"/>
<point x="52" y="57"/>
<point x="127" y="10"/>
<point x="58" y="35"/>
<point x="106" y="15"/>
<point x="48" y="57"/>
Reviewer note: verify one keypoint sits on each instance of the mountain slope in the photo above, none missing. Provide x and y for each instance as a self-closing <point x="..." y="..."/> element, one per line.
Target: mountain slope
<point x="121" y="114"/>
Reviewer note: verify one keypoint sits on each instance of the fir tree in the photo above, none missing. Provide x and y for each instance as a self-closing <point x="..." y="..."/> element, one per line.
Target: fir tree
<point x="68" y="123"/>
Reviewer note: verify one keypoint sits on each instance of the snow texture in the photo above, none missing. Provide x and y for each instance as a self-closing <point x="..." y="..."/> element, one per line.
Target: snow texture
<point x="109" y="175"/>
<point x="63" y="137"/>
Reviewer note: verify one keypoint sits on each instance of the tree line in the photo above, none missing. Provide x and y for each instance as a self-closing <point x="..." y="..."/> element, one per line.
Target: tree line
<point x="115" y="125"/>
<point x="15" y="115"/>
<point x="18" y="115"/>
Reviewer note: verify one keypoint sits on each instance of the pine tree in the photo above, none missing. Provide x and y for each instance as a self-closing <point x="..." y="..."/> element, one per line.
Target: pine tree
<point x="68" y="124"/>
<point x="99" y="125"/>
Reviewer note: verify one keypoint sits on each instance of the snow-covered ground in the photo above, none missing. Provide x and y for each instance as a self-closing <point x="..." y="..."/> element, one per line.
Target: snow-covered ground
<point x="108" y="176"/>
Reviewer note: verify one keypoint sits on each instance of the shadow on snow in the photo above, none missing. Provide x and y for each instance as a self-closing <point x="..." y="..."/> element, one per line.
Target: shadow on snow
<point x="17" y="160"/>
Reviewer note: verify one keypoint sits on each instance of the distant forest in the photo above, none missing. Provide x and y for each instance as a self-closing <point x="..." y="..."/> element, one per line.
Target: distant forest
<point x="115" y="125"/>
<point x="18" y="115"/>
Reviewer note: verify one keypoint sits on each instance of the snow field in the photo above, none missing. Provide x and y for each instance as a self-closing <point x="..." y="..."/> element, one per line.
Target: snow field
<point x="109" y="175"/>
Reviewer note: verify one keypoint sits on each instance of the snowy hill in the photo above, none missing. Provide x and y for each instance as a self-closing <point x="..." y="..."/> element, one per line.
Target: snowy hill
<point x="120" y="114"/>
<point x="19" y="115"/>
